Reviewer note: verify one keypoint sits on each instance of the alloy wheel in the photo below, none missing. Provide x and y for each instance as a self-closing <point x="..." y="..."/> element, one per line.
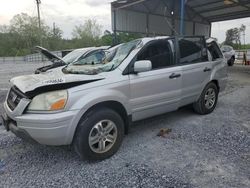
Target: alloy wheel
<point x="103" y="136"/>
<point x="210" y="98"/>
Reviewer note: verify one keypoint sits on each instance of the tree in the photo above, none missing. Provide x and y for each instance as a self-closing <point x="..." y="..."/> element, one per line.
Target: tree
<point x="23" y="34"/>
<point x="28" y="31"/>
<point x="87" y="34"/>
<point x="109" y="38"/>
<point x="4" y="29"/>
<point x="243" y="30"/>
<point x="54" y="39"/>
<point x="90" y="28"/>
<point x="233" y="36"/>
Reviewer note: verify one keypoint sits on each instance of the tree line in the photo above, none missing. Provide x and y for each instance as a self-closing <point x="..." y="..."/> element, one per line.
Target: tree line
<point x="234" y="37"/>
<point x="23" y="33"/>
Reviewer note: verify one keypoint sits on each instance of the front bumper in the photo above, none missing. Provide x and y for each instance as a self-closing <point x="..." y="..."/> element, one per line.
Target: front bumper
<point x="10" y="125"/>
<point x="48" y="129"/>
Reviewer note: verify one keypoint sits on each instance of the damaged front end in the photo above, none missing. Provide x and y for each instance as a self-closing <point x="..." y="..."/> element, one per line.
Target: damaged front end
<point x="56" y="61"/>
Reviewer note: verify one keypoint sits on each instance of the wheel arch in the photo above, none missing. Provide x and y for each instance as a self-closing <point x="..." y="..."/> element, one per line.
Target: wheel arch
<point x="117" y="107"/>
<point x="111" y="104"/>
<point x="216" y="82"/>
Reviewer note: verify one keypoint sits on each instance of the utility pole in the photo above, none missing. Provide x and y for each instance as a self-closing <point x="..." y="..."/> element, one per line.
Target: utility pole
<point x="54" y="28"/>
<point x="38" y="2"/>
<point x="244" y="37"/>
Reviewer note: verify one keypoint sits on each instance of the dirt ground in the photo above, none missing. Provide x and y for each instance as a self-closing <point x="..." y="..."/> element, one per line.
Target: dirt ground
<point x="201" y="151"/>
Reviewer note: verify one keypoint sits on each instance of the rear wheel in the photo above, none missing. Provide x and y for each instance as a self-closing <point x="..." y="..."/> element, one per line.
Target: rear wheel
<point x="208" y="100"/>
<point x="231" y="61"/>
<point x="99" y="134"/>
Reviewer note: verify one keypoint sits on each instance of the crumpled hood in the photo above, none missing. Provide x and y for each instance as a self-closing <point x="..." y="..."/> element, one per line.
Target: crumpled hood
<point x="56" y="77"/>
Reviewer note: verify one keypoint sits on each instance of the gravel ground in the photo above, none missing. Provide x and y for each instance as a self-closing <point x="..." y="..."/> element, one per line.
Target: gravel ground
<point x="201" y="151"/>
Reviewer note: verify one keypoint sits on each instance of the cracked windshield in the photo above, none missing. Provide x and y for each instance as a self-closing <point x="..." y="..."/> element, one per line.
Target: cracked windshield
<point x="102" y="61"/>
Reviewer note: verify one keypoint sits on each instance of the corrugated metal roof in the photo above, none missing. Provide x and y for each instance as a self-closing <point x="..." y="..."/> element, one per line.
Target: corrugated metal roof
<point x="210" y="10"/>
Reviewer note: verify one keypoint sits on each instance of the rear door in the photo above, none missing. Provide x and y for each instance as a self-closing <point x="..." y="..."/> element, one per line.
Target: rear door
<point x="156" y="91"/>
<point x="196" y="68"/>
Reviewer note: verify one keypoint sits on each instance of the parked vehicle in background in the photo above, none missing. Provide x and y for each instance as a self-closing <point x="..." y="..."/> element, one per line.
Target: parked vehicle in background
<point x="229" y="54"/>
<point x="91" y="105"/>
<point x="75" y="55"/>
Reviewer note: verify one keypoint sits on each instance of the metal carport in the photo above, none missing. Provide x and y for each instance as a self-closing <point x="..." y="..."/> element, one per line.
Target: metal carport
<point x="163" y="17"/>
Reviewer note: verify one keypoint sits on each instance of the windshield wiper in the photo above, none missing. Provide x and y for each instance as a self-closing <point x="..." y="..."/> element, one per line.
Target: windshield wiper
<point x="112" y="67"/>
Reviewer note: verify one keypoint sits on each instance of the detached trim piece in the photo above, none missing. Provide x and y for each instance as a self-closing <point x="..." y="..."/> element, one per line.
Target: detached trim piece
<point x="40" y="90"/>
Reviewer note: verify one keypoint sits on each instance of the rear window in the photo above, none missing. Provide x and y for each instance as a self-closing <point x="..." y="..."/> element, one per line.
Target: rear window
<point x="192" y="50"/>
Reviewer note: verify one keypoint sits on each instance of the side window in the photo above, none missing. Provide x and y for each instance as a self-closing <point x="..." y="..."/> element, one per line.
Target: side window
<point x="192" y="50"/>
<point x="214" y="50"/>
<point x="93" y="58"/>
<point x="159" y="53"/>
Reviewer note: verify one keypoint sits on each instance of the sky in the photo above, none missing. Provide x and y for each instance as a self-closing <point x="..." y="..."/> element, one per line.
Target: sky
<point x="68" y="13"/>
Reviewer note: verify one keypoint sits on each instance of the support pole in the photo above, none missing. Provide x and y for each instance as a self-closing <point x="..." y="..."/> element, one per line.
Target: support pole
<point x="182" y="32"/>
<point x="173" y="12"/>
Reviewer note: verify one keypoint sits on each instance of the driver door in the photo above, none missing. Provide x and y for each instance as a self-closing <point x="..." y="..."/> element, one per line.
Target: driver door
<point x="156" y="91"/>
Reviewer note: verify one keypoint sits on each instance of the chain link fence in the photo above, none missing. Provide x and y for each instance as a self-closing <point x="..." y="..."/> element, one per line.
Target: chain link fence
<point x="37" y="57"/>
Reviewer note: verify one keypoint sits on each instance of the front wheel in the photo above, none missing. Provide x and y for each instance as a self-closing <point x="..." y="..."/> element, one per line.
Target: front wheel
<point x="208" y="100"/>
<point x="99" y="134"/>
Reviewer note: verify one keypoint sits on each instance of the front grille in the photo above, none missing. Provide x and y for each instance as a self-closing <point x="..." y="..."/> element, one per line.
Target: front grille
<point x="14" y="97"/>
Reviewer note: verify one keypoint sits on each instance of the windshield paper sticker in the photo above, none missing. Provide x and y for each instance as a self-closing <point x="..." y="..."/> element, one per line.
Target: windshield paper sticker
<point x="54" y="81"/>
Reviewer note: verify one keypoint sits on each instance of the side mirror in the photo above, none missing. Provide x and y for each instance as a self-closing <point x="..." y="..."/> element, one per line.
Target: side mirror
<point x="142" y="66"/>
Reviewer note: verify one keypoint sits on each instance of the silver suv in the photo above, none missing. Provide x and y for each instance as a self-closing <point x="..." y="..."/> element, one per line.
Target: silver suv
<point x="92" y="106"/>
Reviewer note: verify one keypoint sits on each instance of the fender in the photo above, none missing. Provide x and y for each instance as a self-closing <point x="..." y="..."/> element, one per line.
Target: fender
<point x="94" y="98"/>
<point x="90" y="99"/>
<point x="219" y="73"/>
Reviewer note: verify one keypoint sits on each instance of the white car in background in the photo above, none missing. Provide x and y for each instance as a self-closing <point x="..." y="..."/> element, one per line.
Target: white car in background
<point x="229" y="54"/>
<point x="74" y="56"/>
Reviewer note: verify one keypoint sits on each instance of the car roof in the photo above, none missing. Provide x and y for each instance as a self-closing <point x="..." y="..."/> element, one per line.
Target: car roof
<point x="92" y="48"/>
<point x="148" y="39"/>
<point x="226" y="46"/>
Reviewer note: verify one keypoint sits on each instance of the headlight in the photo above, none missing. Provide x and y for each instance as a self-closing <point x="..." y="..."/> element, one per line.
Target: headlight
<point x="50" y="101"/>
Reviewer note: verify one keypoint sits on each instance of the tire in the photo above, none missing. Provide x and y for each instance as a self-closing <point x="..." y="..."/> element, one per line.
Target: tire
<point x="231" y="61"/>
<point x="204" y="105"/>
<point x="96" y="125"/>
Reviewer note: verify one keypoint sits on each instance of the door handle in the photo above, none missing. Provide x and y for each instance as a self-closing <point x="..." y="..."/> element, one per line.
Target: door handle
<point x="172" y="76"/>
<point x="206" y="69"/>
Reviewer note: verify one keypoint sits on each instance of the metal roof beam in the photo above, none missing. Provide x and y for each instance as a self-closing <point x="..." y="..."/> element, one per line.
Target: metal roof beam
<point x="235" y="15"/>
<point x="205" y="4"/>
<point x="146" y="7"/>
<point x="134" y="2"/>
<point x="170" y="7"/>
<point x="224" y="6"/>
<point x="197" y="14"/>
<point x="156" y="6"/>
<point x="244" y="4"/>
